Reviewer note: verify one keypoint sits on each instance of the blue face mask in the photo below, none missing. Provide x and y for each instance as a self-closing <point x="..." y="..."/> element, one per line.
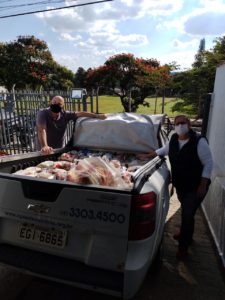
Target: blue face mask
<point x="181" y="129"/>
<point x="56" y="108"/>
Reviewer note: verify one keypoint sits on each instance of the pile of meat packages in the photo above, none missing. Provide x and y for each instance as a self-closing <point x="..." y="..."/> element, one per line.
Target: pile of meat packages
<point x="97" y="169"/>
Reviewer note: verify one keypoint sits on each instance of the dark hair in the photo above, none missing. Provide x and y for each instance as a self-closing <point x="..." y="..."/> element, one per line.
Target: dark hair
<point x="183" y="116"/>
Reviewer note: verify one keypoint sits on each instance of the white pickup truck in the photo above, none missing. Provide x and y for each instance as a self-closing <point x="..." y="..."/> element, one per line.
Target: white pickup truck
<point x="97" y="237"/>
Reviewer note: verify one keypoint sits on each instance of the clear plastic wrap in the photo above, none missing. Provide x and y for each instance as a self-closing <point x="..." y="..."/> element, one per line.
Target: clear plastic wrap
<point x="95" y="170"/>
<point x="107" y="169"/>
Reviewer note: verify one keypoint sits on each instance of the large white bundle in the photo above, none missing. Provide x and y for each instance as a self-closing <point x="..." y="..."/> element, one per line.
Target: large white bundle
<point x="122" y="131"/>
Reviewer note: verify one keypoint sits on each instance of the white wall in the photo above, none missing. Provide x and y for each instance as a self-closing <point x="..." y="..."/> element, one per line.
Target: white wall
<point x="214" y="203"/>
<point x="216" y="125"/>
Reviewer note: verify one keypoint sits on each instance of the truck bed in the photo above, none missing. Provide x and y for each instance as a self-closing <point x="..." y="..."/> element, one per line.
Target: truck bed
<point x="35" y="187"/>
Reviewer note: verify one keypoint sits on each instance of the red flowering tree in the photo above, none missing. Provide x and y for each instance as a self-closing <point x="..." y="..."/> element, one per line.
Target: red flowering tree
<point x="132" y="79"/>
<point x="24" y="62"/>
<point x="28" y="63"/>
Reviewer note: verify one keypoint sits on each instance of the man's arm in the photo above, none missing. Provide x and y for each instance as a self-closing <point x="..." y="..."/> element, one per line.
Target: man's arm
<point x="163" y="151"/>
<point x="203" y="187"/>
<point x="90" y="115"/>
<point x="146" y="156"/>
<point x="42" y="137"/>
<point x="205" y="156"/>
<point x="41" y="132"/>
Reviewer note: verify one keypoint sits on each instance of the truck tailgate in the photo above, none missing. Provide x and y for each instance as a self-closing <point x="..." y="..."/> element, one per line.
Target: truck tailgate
<point x="88" y="224"/>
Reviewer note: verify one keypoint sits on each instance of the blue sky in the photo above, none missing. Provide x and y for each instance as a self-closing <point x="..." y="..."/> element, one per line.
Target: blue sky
<point x="167" y="30"/>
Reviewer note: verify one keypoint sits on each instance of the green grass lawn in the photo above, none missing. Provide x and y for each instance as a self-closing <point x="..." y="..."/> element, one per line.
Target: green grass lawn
<point x="112" y="104"/>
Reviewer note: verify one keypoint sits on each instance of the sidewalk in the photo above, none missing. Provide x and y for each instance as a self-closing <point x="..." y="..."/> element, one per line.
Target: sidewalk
<point x="199" y="277"/>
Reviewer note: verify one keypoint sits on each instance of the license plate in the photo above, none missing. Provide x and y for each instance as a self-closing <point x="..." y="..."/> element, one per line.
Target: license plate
<point x="44" y="236"/>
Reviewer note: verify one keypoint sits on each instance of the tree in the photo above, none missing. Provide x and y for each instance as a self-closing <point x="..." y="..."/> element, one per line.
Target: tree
<point x="28" y="63"/>
<point x="153" y="80"/>
<point x="23" y="62"/>
<point x="80" y="78"/>
<point x="60" y="78"/>
<point x="130" y="78"/>
<point x="219" y="48"/>
<point x="191" y="86"/>
<point x="199" y="57"/>
<point x="196" y="83"/>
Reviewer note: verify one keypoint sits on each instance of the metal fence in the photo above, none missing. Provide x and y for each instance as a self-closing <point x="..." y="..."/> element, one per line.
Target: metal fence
<point x="18" y="118"/>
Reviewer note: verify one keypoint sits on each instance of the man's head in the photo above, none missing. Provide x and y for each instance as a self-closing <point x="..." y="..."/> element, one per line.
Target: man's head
<point x="56" y="106"/>
<point x="182" y="125"/>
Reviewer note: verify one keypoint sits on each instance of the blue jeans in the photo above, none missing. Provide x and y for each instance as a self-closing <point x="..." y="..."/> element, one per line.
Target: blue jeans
<point x="189" y="205"/>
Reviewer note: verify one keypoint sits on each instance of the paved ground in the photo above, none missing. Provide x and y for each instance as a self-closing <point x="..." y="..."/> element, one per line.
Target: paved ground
<point x="200" y="277"/>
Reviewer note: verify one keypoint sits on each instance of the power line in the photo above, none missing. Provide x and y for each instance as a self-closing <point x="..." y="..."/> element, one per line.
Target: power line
<point x="30" y="4"/>
<point x="52" y="9"/>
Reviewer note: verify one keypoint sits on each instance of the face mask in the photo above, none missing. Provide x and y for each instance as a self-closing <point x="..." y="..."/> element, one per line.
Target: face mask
<point x="181" y="129"/>
<point x="56" y="108"/>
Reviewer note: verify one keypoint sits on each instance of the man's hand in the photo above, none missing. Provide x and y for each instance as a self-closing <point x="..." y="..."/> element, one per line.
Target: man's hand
<point x="203" y="188"/>
<point x="47" y="150"/>
<point x="101" y="116"/>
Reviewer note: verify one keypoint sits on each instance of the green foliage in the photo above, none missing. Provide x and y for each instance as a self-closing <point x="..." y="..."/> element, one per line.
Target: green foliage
<point x="61" y="78"/>
<point x="130" y="78"/>
<point x="194" y="85"/>
<point x="23" y="62"/>
<point x="28" y="63"/>
<point x="219" y="47"/>
<point x="80" y="78"/>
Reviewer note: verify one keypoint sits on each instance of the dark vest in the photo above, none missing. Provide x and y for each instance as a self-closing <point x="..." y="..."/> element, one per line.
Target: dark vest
<point x="186" y="167"/>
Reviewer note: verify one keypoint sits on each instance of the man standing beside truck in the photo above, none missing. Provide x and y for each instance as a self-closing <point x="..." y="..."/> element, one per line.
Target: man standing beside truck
<point x="191" y="165"/>
<point x="52" y="122"/>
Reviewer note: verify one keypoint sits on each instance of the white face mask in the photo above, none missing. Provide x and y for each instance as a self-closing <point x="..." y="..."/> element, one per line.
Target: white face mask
<point x="181" y="129"/>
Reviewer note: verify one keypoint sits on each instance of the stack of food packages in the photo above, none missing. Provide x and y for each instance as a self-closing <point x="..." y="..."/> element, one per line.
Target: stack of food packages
<point x="88" y="167"/>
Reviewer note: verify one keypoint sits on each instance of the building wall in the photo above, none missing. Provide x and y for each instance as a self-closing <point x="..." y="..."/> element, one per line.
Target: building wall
<point x="214" y="204"/>
<point x="216" y="126"/>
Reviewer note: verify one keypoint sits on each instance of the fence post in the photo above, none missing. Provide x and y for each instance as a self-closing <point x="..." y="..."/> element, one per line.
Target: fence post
<point x="97" y="90"/>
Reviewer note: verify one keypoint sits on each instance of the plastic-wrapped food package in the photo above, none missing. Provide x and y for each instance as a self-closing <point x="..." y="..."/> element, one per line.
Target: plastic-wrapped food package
<point x="30" y="171"/>
<point x="94" y="170"/>
<point x="46" y="164"/>
<point x="46" y="174"/>
<point x="60" y="174"/>
<point x="68" y="156"/>
<point x="90" y="171"/>
<point x="115" y="163"/>
<point x="107" y="169"/>
<point x="73" y="176"/>
<point x="66" y="165"/>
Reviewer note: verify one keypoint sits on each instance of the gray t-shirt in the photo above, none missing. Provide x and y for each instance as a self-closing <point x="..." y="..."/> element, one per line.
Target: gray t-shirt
<point x="55" y="129"/>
